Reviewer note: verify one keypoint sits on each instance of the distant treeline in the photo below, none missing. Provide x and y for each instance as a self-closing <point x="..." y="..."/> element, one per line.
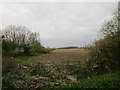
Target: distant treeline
<point x="70" y="47"/>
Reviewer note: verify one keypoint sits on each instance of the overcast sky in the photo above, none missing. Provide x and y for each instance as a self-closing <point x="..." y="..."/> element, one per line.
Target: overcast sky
<point x="59" y="23"/>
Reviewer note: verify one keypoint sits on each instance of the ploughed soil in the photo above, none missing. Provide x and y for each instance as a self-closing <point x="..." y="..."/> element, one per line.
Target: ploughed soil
<point x="63" y="56"/>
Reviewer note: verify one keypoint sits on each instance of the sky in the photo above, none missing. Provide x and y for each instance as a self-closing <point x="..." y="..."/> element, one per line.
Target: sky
<point x="60" y="24"/>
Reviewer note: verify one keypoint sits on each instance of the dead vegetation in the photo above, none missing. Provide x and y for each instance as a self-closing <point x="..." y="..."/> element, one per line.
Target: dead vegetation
<point x="40" y="76"/>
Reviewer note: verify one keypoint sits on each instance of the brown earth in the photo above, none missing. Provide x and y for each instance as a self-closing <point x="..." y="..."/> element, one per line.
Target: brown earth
<point x="63" y="56"/>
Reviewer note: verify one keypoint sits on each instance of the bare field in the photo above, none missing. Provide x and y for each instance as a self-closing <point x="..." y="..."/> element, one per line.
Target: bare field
<point x="63" y="56"/>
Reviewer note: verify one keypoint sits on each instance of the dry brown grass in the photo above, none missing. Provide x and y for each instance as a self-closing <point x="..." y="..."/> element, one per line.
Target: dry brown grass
<point x="63" y="55"/>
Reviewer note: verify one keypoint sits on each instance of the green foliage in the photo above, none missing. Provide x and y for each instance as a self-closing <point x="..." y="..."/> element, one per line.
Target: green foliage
<point x="58" y="76"/>
<point x="8" y="46"/>
<point x="105" y="81"/>
<point x="26" y="50"/>
<point x="38" y="49"/>
<point x="23" y="59"/>
<point x="104" y="54"/>
<point x="36" y="70"/>
<point x="19" y="41"/>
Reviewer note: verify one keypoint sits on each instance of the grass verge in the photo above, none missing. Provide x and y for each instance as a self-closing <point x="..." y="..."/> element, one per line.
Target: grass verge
<point x="26" y="59"/>
<point x="104" y="81"/>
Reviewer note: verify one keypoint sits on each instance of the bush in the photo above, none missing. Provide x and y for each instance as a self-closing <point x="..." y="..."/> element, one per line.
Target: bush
<point x="8" y="46"/>
<point x="37" y="49"/>
<point x="9" y="64"/>
<point x="104" y="56"/>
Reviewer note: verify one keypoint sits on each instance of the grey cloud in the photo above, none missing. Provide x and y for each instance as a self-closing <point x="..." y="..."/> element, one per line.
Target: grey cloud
<point x="60" y="24"/>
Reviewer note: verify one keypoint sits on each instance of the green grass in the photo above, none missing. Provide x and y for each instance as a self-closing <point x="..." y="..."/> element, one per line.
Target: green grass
<point x="104" y="81"/>
<point x="26" y="59"/>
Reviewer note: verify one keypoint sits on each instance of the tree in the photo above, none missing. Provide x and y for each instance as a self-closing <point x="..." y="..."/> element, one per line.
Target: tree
<point x="19" y="38"/>
<point x="20" y="35"/>
<point x="104" y="54"/>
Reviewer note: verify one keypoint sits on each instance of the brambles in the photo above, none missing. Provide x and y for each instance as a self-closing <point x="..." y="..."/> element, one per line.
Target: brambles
<point x="38" y="76"/>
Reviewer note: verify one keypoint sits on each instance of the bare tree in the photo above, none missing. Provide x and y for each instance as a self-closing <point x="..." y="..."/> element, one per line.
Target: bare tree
<point x="20" y="35"/>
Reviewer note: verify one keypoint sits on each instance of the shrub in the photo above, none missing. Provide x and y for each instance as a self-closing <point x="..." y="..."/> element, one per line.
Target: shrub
<point x="104" y="56"/>
<point x="9" y="64"/>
